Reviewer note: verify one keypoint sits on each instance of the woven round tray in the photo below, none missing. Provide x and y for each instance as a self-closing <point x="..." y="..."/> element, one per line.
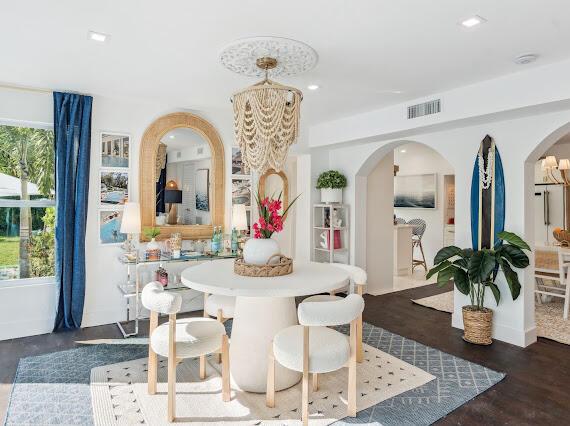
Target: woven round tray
<point x="284" y="267"/>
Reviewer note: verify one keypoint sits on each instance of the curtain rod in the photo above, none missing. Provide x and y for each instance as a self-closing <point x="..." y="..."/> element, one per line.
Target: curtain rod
<point x="36" y="89"/>
<point x="24" y="88"/>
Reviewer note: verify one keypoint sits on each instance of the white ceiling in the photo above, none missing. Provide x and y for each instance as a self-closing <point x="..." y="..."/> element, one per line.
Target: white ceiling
<point x="168" y="50"/>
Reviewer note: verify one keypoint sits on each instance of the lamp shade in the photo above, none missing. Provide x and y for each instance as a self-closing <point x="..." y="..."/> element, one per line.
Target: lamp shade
<point x="239" y="217"/>
<point x="550" y="162"/>
<point x="564" y="164"/>
<point x="172" y="196"/>
<point x="131" y="223"/>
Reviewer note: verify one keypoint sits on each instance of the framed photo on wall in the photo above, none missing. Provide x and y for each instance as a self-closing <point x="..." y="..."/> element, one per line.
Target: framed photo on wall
<point x="416" y="191"/>
<point x="115" y="150"/>
<point x="238" y="168"/>
<point x="241" y="191"/>
<point x="114" y="187"/>
<point x="110" y="227"/>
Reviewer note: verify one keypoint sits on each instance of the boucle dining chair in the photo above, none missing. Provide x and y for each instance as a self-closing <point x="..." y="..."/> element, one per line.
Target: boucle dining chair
<point x="358" y="279"/>
<point x="220" y="307"/>
<point x="313" y="347"/>
<point x="180" y="339"/>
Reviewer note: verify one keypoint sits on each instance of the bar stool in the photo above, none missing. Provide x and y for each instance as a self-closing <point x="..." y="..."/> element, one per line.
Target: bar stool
<point x="419" y="227"/>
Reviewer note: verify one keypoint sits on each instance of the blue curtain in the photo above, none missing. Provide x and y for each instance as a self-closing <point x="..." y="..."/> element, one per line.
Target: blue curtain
<point x="72" y="129"/>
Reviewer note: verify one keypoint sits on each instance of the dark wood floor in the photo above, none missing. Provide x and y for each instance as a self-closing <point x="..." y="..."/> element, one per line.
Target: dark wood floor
<point x="536" y="390"/>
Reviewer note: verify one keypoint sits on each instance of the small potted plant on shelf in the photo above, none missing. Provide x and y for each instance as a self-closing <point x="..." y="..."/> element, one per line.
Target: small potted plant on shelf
<point x="259" y="249"/>
<point x="473" y="271"/>
<point x="152" y="251"/>
<point x="331" y="184"/>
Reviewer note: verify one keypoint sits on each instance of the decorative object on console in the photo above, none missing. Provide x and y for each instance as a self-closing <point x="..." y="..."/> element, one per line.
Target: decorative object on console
<point x="415" y="191"/>
<point x="175" y="244"/>
<point x="487" y="196"/>
<point x="162" y="276"/>
<point x="172" y="196"/>
<point x="331" y="184"/>
<point x="266" y="115"/>
<point x="152" y="251"/>
<point x="131" y="224"/>
<point x="239" y="225"/>
<point x="261" y="248"/>
<point x="474" y="271"/>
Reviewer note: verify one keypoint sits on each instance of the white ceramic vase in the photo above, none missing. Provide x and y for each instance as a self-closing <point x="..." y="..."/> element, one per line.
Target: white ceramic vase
<point x="152" y="245"/>
<point x="331" y="195"/>
<point x="258" y="251"/>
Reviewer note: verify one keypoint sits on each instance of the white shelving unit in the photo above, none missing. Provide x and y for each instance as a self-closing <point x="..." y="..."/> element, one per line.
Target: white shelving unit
<point x="330" y="240"/>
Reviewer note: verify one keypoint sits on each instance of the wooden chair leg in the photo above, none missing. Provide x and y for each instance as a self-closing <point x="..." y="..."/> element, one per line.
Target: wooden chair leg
<point x="226" y="391"/>
<point x="270" y="389"/>
<point x="351" y="411"/>
<point x="305" y="385"/>
<point x="424" y="264"/>
<point x="172" y="368"/>
<point x="152" y="366"/>
<point x="359" y="350"/>
<point x="315" y="382"/>
<point x="220" y="318"/>
<point x="204" y="310"/>
<point x="202" y="367"/>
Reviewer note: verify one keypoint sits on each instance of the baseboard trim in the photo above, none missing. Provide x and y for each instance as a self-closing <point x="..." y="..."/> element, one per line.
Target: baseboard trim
<point x="17" y="329"/>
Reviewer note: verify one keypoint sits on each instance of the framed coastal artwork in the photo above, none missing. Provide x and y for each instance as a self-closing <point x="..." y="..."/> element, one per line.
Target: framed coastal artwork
<point x="415" y="191"/>
<point x="203" y="190"/>
<point x="114" y="187"/>
<point x="241" y="191"/>
<point x="110" y="227"/>
<point x="238" y="168"/>
<point x="115" y="150"/>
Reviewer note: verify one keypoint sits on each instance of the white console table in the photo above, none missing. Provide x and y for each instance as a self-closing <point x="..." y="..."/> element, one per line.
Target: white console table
<point x="131" y="290"/>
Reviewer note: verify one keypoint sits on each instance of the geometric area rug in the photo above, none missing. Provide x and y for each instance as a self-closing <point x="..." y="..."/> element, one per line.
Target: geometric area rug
<point x="55" y="388"/>
<point x="119" y="394"/>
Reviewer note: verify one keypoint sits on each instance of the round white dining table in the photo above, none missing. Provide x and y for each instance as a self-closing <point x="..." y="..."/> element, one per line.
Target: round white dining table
<point x="264" y="306"/>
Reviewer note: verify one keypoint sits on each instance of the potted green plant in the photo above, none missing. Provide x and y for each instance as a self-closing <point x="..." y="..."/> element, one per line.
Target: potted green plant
<point x="331" y="184"/>
<point x="151" y="233"/>
<point x="473" y="271"/>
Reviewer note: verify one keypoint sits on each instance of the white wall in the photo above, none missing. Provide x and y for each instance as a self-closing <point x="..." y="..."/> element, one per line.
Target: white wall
<point x="380" y="226"/>
<point x="516" y="140"/>
<point x="34" y="307"/>
<point x="420" y="159"/>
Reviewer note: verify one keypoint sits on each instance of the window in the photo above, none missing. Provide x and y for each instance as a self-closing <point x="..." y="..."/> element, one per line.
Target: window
<point x="27" y="203"/>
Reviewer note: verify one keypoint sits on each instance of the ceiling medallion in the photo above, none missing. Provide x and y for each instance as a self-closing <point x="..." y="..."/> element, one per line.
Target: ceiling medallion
<point x="266" y="115"/>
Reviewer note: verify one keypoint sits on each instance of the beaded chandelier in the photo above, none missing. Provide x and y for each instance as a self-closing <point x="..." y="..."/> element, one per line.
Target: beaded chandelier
<point x="266" y="121"/>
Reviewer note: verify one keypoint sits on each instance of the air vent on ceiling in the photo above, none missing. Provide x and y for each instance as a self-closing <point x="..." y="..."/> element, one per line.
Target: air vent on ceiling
<point x="426" y="108"/>
<point x="200" y="150"/>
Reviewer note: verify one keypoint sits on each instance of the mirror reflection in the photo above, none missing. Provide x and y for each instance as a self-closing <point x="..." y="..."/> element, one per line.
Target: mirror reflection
<point x="183" y="165"/>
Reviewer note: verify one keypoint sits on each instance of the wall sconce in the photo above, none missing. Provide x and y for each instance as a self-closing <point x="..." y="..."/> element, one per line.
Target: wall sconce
<point x="549" y="164"/>
<point x="564" y="166"/>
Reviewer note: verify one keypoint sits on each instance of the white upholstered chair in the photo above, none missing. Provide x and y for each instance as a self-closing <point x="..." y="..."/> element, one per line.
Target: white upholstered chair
<point x="313" y="347"/>
<point x="358" y="279"/>
<point x="220" y="307"/>
<point x="180" y="339"/>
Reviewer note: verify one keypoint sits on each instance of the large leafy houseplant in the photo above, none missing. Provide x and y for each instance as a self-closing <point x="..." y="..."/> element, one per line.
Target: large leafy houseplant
<point x="473" y="271"/>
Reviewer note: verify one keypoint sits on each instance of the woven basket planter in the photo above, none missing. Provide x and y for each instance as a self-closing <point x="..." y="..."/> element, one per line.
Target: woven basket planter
<point x="284" y="267"/>
<point x="477" y="325"/>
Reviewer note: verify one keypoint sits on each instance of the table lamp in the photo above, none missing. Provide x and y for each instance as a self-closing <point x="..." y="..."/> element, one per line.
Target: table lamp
<point x="172" y="196"/>
<point x="131" y="223"/>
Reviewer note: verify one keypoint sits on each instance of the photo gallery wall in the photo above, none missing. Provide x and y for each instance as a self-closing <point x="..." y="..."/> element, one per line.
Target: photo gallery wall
<point x="114" y="180"/>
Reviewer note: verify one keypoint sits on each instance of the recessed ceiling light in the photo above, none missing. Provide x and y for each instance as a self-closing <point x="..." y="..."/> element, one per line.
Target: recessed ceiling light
<point x="172" y="136"/>
<point x="526" y="59"/>
<point x="473" y="21"/>
<point x="95" y="36"/>
<point x="403" y="151"/>
<point x="313" y="86"/>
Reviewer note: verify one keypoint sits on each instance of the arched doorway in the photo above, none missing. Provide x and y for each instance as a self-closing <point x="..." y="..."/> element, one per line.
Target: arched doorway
<point x="378" y="242"/>
<point x="547" y="206"/>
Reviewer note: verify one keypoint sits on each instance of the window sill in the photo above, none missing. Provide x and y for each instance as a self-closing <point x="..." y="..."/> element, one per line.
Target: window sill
<point x="26" y="282"/>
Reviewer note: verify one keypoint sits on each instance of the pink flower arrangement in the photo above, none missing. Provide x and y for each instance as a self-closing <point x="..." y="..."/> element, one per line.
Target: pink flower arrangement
<point x="270" y="217"/>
